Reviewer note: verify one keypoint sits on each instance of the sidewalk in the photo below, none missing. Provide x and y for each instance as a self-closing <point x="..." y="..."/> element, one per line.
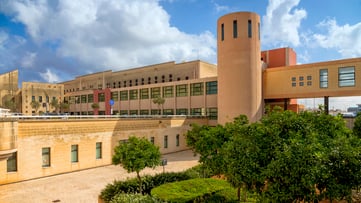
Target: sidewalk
<point x="83" y="186"/>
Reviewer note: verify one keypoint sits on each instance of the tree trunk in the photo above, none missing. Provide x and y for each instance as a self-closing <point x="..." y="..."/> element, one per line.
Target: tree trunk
<point x="239" y="194"/>
<point x="140" y="183"/>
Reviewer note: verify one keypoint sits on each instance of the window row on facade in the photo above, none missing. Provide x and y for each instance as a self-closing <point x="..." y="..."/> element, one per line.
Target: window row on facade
<point x="193" y="89"/>
<point x="235" y="29"/>
<point x="12" y="161"/>
<point x="131" y="83"/>
<point x="346" y="77"/>
<point x="212" y="113"/>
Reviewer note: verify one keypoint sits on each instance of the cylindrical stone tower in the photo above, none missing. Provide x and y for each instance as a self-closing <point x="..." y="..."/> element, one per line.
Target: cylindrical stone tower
<point x="239" y="67"/>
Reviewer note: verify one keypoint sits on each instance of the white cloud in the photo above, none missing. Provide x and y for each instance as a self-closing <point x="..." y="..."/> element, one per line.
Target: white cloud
<point x="103" y="34"/>
<point x="221" y="8"/>
<point x="346" y="39"/>
<point x="281" y="24"/>
<point x="49" y="76"/>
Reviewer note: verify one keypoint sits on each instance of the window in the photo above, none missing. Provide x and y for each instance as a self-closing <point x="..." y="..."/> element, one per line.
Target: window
<point x="168" y="112"/>
<point x="12" y="165"/>
<point x="181" y="90"/>
<point x="293" y="79"/>
<point x="168" y="91"/>
<point x="98" y="150"/>
<point x="301" y="78"/>
<point x="133" y="112"/>
<point x="40" y="99"/>
<point x="32" y="98"/>
<point x="293" y="84"/>
<point x="74" y="153"/>
<point x="101" y="97"/>
<point x="114" y="96"/>
<point x="177" y="140"/>
<point x="235" y="32"/>
<point x="83" y="99"/>
<point x="124" y="95"/>
<point x="249" y="29"/>
<point x="346" y="76"/>
<point x="155" y="112"/>
<point x="165" y="141"/>
<point x="323" y="78"/>
<point x="123" y="112"/>
<point x="144" y="112"/>
<point x="144" y="93"/>
<point x="133" y="94"/>
<point x="196" y="89"/>
<point x="259" y="31"/>
<point x="90" y="98"/>
<point x="152" y="140"/>
<point x="213" y="113"/>
<point x="155" y="92"/>
<point x="222" y="32"/>
<point x="211" y="87"/>
<point x="45" y="154"/>
<point x="309" y="83"/>
<point x="301" y="83"/>
<point x="196" y="111"/>
<point x="182" y="111"/>
<point x="309" y="77"/>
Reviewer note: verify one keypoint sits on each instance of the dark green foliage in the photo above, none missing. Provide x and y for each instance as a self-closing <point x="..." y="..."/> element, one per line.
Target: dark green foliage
<point x="357" y="126"/>
<point x="133" y="198"/>
<point x="286" y="156"/>
<point x="193" y="190"/>
<point x="149" y="182"/>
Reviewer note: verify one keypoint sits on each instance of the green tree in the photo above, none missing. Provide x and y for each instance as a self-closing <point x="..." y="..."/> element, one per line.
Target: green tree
<point x="35" y="105"/>
<point x="63" y="107"/>
<point x="357" y="126"/>
<point x="135" y="155"/>
<point x="159" y="101"/>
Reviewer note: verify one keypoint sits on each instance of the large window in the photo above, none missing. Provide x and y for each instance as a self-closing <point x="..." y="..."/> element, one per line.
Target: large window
<point x="181" y="90"/>
<point x="124" y="95"/>
<point x="133" y="112"/>
<point x="12" y="161"/>
<point x="83" y="98"/>
<point x="90" y="98"/>
<point x="196" y="89"/>
<point x="45" y="154"/>
<point x="182" y="111"/>
<point x="211" y="87"/>
<point x="101" y="97"/>
<point x="144" y="112"/>
<point x="144" y="93"/>
<point x="168" y="91"/>
<point x="115" y="96"/>
<point x="196" y="111"/>
<point x="74" y="153"/>
<point x="168" y="112"/>
<point x="346" y="76"/>
<point x="98" y="150"/>
<point x="213" y="113"/>
<point x="133" y="94"/>
<point x="323" y="78"/>
<point x="155" y="92"/>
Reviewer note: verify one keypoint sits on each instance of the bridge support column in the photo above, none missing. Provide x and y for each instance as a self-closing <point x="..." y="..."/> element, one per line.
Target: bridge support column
<point x="326" y="104"/>
<point x="285" y="104"/>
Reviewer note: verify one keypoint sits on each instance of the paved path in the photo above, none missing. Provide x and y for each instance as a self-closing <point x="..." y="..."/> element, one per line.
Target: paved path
<point x="83" y="186"/>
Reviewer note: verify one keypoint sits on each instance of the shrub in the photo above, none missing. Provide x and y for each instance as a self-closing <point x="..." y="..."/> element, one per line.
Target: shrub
<point x="196" y="190"/>
<point x="133" y="198"/>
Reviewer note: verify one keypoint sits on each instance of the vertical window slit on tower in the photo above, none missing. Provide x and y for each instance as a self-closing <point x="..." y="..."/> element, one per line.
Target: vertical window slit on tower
<point x="235" y="32"/>
<point x="222" y="32"/>
<point x="249" y="28"/>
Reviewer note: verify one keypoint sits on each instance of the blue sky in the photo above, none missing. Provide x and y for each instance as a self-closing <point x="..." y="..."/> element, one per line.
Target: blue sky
<point x="56" y="40"/>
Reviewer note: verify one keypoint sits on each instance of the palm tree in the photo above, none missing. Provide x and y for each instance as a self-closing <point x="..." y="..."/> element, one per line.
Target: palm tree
<point x="55" y="104"/>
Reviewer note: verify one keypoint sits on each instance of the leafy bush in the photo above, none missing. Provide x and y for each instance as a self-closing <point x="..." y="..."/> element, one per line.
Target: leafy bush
<point x="133" y="198"/>
<point x="196" y="190"/>
<point x="149" y="182"/>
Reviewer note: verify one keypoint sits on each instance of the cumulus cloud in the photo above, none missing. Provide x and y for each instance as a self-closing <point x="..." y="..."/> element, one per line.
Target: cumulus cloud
<point x="107" y="34"/>
<point x="345" y="38"/>
<point x="281" y="24"/>
<point x="28" y="59"/>
<point x="49" y="76"/>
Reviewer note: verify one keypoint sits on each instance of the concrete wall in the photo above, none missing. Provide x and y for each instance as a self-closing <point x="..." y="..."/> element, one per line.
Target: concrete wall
<point x="59" y="135"/>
